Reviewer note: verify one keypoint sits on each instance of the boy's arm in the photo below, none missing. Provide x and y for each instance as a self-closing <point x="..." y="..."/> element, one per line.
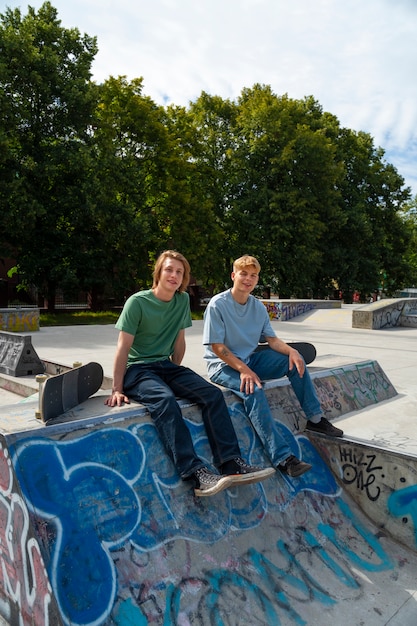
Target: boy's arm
<point x="124" y="343"/>
<point x="179" y="348"/>
<point x="295" y="358"/>
<point x="248" y="378"/>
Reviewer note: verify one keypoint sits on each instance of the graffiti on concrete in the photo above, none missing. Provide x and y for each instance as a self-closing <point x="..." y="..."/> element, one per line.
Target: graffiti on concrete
<point x="264" y="589"/>
<point x="395" y="440"/>
<point x="274" y="310"/>
<point x="366" y="384"/>
<point x="390" y="317"/>
<point x="125" y="540"/>
<point x="284" y="311"/>
<point x="403" y="503"/>
<point x="25" y="593"/>
<point x="345" y="389"/>
<point x="331" y="395"/>
<point x="19" y="320"/>
<point x="362" y="470"/>
<point x="293" y="310"/>
<point x="382" y="482"/>
<point x="352" y="388"/>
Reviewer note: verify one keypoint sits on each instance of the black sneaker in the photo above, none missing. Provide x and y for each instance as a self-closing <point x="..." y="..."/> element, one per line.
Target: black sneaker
<point x="208" y="484"/>
<point x="294" y="467"/>
<point x="324" y="427"/>
<point x="243" y="474"/>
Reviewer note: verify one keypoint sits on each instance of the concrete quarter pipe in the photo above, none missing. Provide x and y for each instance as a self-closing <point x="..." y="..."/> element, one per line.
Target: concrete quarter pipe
<point x="97" y="529"/>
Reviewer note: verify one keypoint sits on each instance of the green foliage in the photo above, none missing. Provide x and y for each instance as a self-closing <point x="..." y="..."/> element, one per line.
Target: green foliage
<point x="130" y="144"/>
<point x="97" y="180"/>
<point x="45" y="83"/>
<point x="410" y="256"/>
<point x="204" y="144"/>
<point x="373" y="237"/>
<point x="287" y="201"/>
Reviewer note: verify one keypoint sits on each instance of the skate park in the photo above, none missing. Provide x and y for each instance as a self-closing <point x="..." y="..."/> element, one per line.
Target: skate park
<point x="98" y="529"/>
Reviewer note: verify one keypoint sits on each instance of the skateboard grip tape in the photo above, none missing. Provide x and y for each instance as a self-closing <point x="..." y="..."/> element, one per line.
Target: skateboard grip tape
<point x="70" y="390"/>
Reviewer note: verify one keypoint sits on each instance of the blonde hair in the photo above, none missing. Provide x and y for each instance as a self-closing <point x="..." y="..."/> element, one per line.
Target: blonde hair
<point x="245" y="261"/>
<point x="171" y="254"/>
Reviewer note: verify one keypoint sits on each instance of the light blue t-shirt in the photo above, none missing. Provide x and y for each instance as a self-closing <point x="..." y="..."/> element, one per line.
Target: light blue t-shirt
<point x="239" y="326"/>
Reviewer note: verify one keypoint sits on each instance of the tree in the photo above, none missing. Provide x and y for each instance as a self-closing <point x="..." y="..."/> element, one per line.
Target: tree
<point x="205" y="144"/>
<point x="372" y="238"/>
<point x="128" y="185"/>
<point x="49" y="101"/>
<point x="96" y="180"/>
<point x="150" y="193"/>
<point x="285" y="197"/>
<point x="409" y="218"/>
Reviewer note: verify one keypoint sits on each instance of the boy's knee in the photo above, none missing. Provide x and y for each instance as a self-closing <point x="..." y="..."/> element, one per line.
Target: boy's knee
<point x="167" y="401"/>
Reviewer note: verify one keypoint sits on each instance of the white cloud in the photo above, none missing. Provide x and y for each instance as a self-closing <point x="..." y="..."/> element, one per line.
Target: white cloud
<point x="356" y="57"/>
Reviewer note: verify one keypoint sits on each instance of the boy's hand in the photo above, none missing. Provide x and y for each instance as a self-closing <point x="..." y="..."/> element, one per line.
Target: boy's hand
<point x="117" y="398"/>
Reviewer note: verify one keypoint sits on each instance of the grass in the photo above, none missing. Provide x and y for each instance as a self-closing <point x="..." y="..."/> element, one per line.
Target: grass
<point x="78" y="318"/>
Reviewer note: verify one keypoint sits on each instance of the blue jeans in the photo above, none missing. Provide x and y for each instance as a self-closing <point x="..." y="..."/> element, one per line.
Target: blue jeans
<point x="156" y="385"/>
<point x="270" y="364"/>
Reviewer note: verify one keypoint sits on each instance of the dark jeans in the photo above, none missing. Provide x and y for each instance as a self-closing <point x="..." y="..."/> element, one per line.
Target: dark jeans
<point x="156" y="385"/>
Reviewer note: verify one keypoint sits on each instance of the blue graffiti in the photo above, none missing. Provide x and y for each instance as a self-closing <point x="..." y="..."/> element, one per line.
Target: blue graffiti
<point x="83" y="488"/>
<point x="370" y="539"/>
<point x="293" y="310"/>
<point x="309" y="587"/>
<point x="259" y="582"/>
<point x="344" y="577"/>
<point x="128" y="614"/>
<point x="404" y="502"/>
<point x="218" y="580"/>
<point x="319" y="479"/>
<point x="98" y="492"/>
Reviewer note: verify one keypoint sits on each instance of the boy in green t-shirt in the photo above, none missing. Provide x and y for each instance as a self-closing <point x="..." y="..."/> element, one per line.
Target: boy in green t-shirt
<point x="147" y="369"/>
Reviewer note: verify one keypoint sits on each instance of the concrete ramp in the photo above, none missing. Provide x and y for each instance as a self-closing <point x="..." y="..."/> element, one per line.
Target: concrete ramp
<point x="97" y="529"/>
<point x="388" y="313"/>
<point x="380" y="481"/>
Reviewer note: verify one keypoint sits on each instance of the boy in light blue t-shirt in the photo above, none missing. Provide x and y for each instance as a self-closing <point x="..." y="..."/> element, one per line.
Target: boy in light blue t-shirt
<point x="234" y="324"/>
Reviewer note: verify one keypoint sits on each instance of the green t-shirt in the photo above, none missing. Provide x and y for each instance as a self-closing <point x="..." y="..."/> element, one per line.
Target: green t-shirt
<point x="154" y="324"/>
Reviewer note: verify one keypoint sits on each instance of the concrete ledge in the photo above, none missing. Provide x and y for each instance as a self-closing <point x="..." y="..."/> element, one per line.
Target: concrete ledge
<point x="17" y="355"/>
<point x="19" y="320"/>
<point x="283" y="310"/>
<point x="342" y="387"/>
<point x="387" y="313"/>
<point x="24" y="386"/>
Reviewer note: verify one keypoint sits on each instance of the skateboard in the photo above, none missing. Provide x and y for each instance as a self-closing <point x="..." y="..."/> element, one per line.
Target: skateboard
<point x="63" y="392"/>
<point x="307" y="350"/>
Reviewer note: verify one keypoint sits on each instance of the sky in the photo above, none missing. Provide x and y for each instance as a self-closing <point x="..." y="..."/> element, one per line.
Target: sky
<point x="357" y="58"/>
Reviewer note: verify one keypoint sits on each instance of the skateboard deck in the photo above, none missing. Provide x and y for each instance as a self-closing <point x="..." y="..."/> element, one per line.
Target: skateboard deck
<point x="307" y="350"/>
<point x="63" y="392"/>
